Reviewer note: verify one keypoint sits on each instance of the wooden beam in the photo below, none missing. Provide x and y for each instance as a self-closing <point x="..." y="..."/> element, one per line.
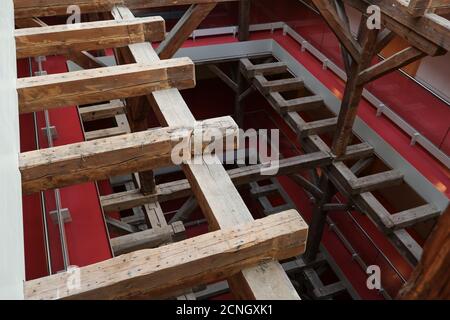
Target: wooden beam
<point x="103" y="158"/>
<point x="394" y="62"/>
<point x="223" y="76"/>
<point x="410" y="217"/>
<point x="344" y="35"/>
<point x="240" y="176"/>
<point x="301" y="104"/>
<point x="147" y="239"/>
<point x="98" y="85"/>
<point x="383" y="39"/>
<point x="164" y="271"/>
<point x="183" y="29"/>
<point x="102" y="111"/>
<point x="29" y="23"/>
<point x="353" y="90"/>
<point x="281" y="85"/>
<point x="63" y="39"/>
<point x="85" y="59"/>
<point x="42" y="8"/>
<point x="250" y="70"/>
<point x="429" y="280"/>
<point x="244" y="20"/>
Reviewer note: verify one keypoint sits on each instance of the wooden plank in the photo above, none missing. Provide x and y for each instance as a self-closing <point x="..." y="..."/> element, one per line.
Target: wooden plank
<point x="282" y="85"/>
<point x="408" y="218"/>
<point x="63" y="39"/>
<point x="183" y="29"/>
<point x="102" y="111"/>
<point x="98" y="85"/>
<point x="146" y="239"/>
<point x="394" y="62"/>
<point x="375" y="181"/>
<point x="317" y="127"/>
<point x="164" y="271"/>
<point x="103" y="158"/>
<point x="104" y="133"/>
<point x="250" y="70"/>
<point x="240" y="176"/>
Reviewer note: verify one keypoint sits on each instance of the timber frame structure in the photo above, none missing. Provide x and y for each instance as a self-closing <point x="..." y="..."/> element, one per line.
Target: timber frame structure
<point x="244" y="251"/>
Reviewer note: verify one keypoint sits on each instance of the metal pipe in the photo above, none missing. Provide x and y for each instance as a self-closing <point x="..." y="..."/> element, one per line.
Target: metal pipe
<point x="48" y="257"/>
<point x="61" y="227"/>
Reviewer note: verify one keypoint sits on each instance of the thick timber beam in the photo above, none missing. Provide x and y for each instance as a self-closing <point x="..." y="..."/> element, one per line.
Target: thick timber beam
<point x="64" y="39"/>
<point x="165" y="271"/>
<point x="43" y="8"/>
<point x="103" y="158"/>
<point x="183" y="29"/>
<point x="104" y="84"/>
<point x="429" y="280"/>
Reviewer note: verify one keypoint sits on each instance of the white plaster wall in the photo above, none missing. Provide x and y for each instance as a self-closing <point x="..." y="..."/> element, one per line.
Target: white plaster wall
<point x="12" y="267"/>
<point x="435" y="71"/>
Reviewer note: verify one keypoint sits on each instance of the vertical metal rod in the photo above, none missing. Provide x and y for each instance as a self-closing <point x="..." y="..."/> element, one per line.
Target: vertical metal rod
<point x="61" y="227"/>
<point x="42" y="196"/>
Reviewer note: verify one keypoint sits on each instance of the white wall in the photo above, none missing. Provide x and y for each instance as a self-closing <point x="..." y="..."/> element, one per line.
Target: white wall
<point x="436" y="72"/>
<point x="12" y="265"/>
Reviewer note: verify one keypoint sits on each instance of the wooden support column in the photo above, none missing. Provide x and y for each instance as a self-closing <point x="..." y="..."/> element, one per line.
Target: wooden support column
<point x="353" y="90"/>
<point x="244" y="20"/>
<point x="430" y="279"/>
<point x="319" y="218"/>
<point x="183" y="29"/>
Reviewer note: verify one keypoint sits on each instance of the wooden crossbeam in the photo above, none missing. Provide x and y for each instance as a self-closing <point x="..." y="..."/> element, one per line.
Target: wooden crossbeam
<point x="102" y="111"/>
<point x="394" y="62"/>
<point x="368" y="183"/>
<point x="316" y="127"/>
<point x="412" y="216"/>
<point x="164" y="271"/>
<point x="64" y="39"/>
<point x="250" y="70"/>
<point x="103" y="158"/>
<point x="282" y="85"/>
<point x="146" y="239"/>
<point x="337" y="26"/>
<point x="295" y="105"/>
<point x="240" y="176"/>
<point x="98" y="85"/>
<point x="184" y="28"/>
<point x="43" y="8"/>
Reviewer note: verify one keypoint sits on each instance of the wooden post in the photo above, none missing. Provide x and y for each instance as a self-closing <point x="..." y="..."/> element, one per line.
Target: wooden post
<point x="244" y="20"/>
<point x="430" y="280"/>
